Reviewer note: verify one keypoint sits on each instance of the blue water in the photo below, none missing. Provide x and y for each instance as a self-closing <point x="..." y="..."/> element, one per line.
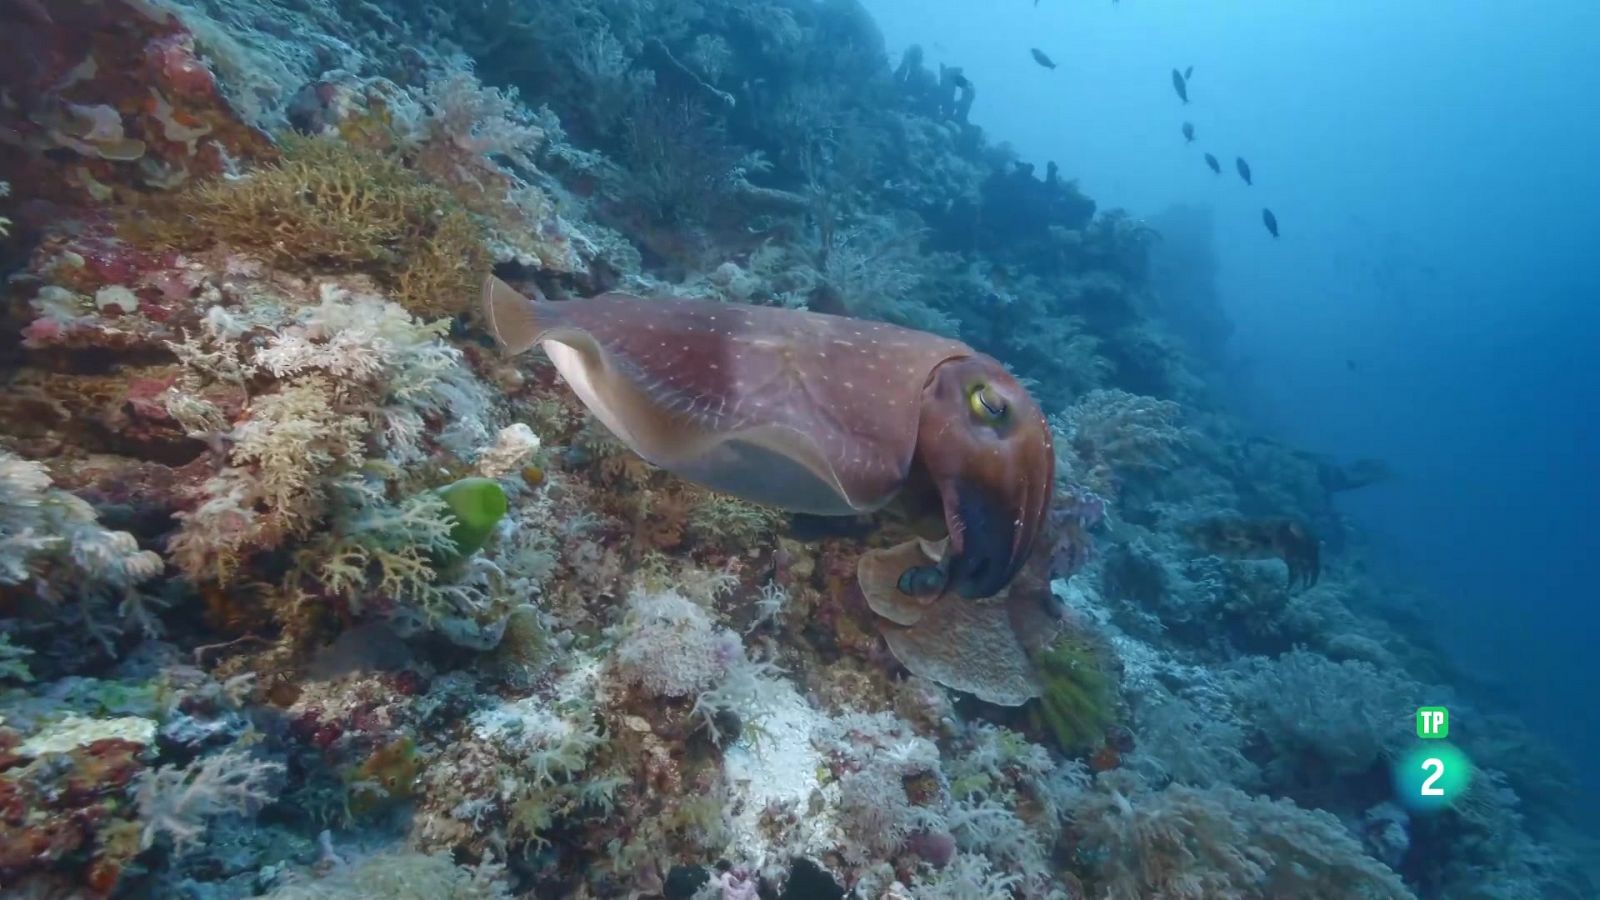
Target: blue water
<point x="1434" y="170"/>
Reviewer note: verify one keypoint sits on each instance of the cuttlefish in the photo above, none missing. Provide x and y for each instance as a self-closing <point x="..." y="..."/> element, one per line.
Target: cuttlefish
<point x="814" y="413"/>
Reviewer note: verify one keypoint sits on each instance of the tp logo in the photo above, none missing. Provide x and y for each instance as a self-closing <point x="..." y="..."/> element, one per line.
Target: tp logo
<point x="1433" y="723"/>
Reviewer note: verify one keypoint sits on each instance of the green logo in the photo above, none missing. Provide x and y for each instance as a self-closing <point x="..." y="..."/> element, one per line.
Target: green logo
<point x="1433" y="723"/>
<point x="1431" y="777"/>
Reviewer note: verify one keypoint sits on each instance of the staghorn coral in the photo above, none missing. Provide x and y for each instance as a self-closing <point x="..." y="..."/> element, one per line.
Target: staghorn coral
<point x="329" y="204"/>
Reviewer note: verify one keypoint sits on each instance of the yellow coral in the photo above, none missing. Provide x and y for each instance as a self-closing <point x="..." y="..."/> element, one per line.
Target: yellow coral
<point x="292" y="438"/>
<point x="330" y="204"/>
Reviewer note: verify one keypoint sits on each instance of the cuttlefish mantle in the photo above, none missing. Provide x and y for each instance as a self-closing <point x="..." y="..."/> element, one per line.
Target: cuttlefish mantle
<point x="808" y="412"/>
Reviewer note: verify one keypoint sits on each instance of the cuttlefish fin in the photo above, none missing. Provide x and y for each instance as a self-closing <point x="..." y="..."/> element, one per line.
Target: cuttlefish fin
<point x="520" y="322"/>
<point x="514" y="320"/>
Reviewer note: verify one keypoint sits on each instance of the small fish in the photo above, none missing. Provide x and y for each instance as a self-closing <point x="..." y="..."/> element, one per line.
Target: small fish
<point x="1188" y="73"/>
<point x="1270" y="220"/>
<point x="1244" y="169"/>
<point x="960" y="81"/>
<point x="1041" y="59"/>
<point x="1179" y="85"/>
<point x="1350" y="364"/>
<point x="1212" y="162"/>
<point x="1188" y="132"/>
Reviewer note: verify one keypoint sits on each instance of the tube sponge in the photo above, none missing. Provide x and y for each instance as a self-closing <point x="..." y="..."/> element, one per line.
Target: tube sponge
<point x="478" y="505"/>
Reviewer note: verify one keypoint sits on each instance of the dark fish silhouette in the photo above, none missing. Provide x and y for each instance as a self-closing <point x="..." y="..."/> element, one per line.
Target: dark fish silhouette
<point x="1179" y="85"/>
<point x="1188" y="132"/>
<point x="1212" y="162"/>
<point x="1187" y="73"/>
<point x="1270" y="220"/>
<point x="960" y="81"/>
<point x="1244" y="169"/>
<point x="1041" y="59"/>
<point x="1350" y="364"/>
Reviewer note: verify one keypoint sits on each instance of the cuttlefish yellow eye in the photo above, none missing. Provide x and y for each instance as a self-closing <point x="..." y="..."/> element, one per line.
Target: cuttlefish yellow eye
<point x="986" y="403"/>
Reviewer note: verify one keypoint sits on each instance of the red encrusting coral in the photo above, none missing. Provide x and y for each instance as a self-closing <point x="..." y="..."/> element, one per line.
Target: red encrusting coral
<point x="116" y="86"/>
<point x="61" y="806"/>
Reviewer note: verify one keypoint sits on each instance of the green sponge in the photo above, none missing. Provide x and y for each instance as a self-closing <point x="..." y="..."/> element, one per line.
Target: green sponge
<point x="478" y="505"/>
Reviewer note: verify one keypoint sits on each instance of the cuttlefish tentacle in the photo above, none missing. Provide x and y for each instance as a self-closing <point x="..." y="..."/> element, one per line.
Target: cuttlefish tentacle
<point x="808" y="412"/>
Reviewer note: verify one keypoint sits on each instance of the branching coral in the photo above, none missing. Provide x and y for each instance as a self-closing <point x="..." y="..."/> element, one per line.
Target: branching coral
<point x="727" y="522"/>
<point x="522" y="766"/>
<point x="355" y="372"/>
<point x="179" y="801"/>
<point x="1184" y="843"/>
<point x="388" y="549"/>
<point x="479" y="121"/>
<point x="870" y="268"/>
<point x="1349" y="714"/>
<point x="1110" y="433"/>
<point x="330" y="204"/>
<point x="1191" y="742"/>
<point x="668" y="646"/>
<point x="398" y="875"/>
<point x="52" y="540"/>
<point x="681" y="162"/>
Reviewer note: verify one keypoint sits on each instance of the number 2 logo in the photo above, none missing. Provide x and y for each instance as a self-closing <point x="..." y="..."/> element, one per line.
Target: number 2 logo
<point x="1437" y="765"/>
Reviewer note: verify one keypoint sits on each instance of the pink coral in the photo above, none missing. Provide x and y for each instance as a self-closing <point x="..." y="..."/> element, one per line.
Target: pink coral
<point x="173" y="61"/>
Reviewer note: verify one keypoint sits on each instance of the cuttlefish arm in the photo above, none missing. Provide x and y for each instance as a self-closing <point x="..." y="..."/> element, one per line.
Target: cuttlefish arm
<point x="808" y="412"/>
<point x="985" y="446"/>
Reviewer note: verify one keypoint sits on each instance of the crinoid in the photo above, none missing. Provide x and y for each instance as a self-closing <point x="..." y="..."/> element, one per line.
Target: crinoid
<point x="1267" y="538"/>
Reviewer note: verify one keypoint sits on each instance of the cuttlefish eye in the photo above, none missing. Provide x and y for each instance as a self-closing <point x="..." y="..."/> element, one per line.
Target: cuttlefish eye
<point x="986" y="403"/>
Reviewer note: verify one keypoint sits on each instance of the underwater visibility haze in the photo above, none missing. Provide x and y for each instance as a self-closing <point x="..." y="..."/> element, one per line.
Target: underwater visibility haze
<point x="1071" y="449"/>
<point x="1435" y="168"/>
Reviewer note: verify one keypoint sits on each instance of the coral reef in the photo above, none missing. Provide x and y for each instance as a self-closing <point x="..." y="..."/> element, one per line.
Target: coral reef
<point x="306" y="592"/>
